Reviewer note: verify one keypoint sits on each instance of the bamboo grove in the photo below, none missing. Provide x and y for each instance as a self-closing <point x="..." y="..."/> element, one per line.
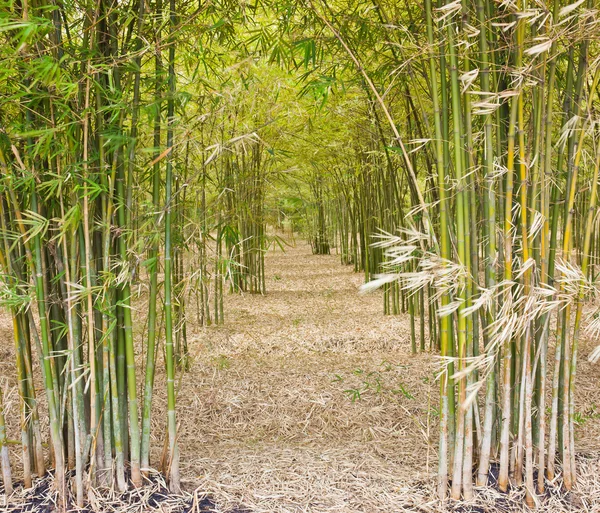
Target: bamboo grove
<point x="97" y="161"/>
<point x="449" y="151"/>
<point x="514" y="154"/>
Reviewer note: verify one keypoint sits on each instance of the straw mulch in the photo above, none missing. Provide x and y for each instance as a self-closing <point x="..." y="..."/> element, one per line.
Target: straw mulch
<point x="308" y="400"/>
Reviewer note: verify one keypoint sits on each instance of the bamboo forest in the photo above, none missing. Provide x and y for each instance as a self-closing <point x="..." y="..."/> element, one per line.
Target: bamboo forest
<point x="299" y="256"/>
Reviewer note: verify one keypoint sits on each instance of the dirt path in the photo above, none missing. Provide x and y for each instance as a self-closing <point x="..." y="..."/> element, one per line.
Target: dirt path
<point x="307" y="399"/>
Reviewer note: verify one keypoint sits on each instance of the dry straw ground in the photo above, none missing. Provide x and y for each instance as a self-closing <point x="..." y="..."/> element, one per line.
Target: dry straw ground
<point x="308" y="400"/>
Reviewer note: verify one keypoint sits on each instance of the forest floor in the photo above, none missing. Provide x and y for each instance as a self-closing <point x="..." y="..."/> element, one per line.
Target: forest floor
<point x="307" y="399"/>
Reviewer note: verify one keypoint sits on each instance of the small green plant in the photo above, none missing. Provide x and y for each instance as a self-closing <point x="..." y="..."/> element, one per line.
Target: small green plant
<point x="222" y="362"/>
<point x="580" y="418"/>
<point x="376" y="386"/>
<point x="354" y="394"/>
<point x="387" y="366"/>
<point x="402" y="390"/>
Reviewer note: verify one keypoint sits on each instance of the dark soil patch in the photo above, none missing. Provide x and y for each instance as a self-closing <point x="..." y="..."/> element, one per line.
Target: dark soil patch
<point x="153" y="497"/>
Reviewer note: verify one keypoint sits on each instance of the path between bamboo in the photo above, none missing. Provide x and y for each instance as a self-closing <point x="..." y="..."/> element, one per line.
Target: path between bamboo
<point x="308" y="398"/>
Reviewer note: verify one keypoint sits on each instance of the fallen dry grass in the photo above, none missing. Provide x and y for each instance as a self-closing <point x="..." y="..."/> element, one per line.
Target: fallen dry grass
<point x="308" y="399"/>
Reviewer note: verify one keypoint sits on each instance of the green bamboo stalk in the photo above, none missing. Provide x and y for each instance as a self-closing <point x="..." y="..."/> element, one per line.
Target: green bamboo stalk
<point x="507" y="376"/>
<point x="568" y="355"/>
<point x="446" y="390"/>
<point x="5" y="262"/>
<point x="110" y="342"/>
<point x="592" y="209"/>
<point x="524" y="421"/>
<point x="154" y="255"/>
<point x="489" y="201"/>
<point x="463" y="247"/>
<point x="173" y="473"/>
<point x="128" y="349"/>
<point x="55" y="430"/>
<point x="544" y="250"/>
<point x="4" y="458"/>
<point x="24" y="403"/>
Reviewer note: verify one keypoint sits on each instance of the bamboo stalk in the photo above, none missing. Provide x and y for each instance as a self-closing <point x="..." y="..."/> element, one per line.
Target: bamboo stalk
<point x="173" y="471"/>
